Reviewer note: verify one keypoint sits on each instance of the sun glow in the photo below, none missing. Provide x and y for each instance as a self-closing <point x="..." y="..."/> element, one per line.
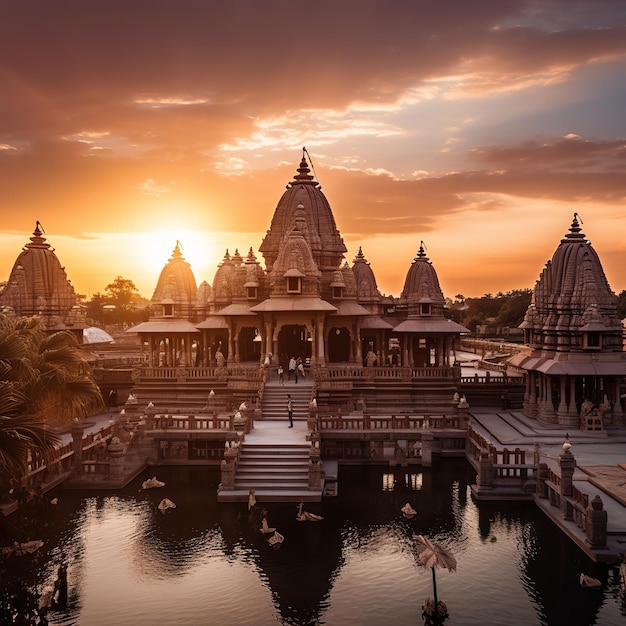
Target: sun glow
<point x="200" y="249"/>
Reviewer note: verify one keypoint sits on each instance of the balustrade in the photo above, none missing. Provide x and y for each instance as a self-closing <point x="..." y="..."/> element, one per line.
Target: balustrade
<point x="387" y="422"/>
<point x="163" y="421"/>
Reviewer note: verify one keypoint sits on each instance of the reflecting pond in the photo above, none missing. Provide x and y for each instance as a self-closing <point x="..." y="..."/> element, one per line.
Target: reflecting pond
<point x="207" y="563"/>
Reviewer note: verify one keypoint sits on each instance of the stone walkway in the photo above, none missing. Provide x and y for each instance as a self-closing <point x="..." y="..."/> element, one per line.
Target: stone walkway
<point x="600" y="462"/>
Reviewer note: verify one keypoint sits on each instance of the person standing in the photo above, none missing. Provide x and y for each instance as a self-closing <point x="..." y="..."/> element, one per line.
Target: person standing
<point x="281" y="378"/>
<point x="290" y="410"/>
<point x="291" y="369"/>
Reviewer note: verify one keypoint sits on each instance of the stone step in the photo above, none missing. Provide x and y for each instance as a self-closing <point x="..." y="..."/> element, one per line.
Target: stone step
<point x="274" y="474"/>
<point x="259" y="444"/>
<point x="270" y="457"/>
<point x="276" y="486"/>
<point x="267" y="460"/>
<point x="272" y="471"/>
<point x="270" y="495"/>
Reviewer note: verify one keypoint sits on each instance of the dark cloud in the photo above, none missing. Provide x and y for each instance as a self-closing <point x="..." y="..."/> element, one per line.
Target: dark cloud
<point x="573" y="151"/>
<point x="70" y="65"/>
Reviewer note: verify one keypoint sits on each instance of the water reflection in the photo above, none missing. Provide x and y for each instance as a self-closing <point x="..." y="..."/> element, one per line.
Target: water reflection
<point x="207" y="563"/>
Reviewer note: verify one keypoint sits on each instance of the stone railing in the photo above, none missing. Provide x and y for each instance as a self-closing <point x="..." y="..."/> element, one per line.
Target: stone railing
<point x="245" y="372"/>
<point x="491" y="379"/>
<point x="555" y="485"/>
<point x="166" y="421"/>
<point x="391" y="422"/>
<point x="334" y="372"/>
<point x="550" y="482"/>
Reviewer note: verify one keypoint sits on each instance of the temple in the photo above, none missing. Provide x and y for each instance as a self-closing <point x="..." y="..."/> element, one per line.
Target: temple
<point x="211" y="381"/>
<point x="573" y="354"/>
<point x="308" y="302"/>
<point x="38" y="286"/>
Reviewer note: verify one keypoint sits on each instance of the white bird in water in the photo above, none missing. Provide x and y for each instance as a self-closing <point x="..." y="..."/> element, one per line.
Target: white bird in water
<point x="276" y="539"/>
<point x="152" y="483"/>
<point x="265" y="529"/>
<point x="587" y="581"/>
<point x="166" y="504"/>
<point x="305" y="516"/>
<point x="408" y="511"/>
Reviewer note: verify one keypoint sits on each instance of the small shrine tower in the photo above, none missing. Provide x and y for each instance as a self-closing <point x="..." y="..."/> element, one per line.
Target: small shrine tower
<point x="573" y="352"/>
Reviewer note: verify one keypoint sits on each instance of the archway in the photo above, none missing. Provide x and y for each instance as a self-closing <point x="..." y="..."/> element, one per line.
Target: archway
<point x="249" y="344"/>
<point x="339" y="345"/>
<point x="294" y="340"/>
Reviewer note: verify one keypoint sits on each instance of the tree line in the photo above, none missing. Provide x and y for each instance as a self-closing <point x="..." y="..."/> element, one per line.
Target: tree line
<point x="120" y="304"/>
<point x="504" y="309"/>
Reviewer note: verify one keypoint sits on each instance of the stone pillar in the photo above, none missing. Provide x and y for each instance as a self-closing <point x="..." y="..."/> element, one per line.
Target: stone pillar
<point x="319" y="334"/>
<point x="485" y="471"/>
<point x="572" y="411"/>
<point x="463" y="413"/>
<point x="542" y="475"/>
<point x="315" y="468"/>
<point x="427" y="449"/>
<point x="116" y="455"/>
<point x="562" y="403"/>
<point x="227" y="475"/>
<point x="77" y="445"/>
<point x="359" y="351"/>
<point x="596" y="530"/>
<point x="567" y="463"/>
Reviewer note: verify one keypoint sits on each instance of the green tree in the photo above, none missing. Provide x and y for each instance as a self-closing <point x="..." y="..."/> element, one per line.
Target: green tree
<point x="503" y="309"/>
<point x="514" y="306"/>
<point x="95" y="309"/>
<point x="121" y="293"/>
<point x="125" y="297"/>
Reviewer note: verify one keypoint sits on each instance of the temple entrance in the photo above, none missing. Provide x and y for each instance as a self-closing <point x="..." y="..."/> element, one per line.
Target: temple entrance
<point x="249" y="344"/>
<point x="294" y="340"/>
<point x="339" y="345"/>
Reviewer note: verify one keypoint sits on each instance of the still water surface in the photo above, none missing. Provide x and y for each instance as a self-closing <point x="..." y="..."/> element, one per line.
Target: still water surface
<point x="207" y="563"/>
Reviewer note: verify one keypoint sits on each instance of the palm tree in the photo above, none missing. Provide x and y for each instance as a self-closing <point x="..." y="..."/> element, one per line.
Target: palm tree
<point x="62" y="389"/>
<point x="21" y="435"/>
<point x="44" y="380"/>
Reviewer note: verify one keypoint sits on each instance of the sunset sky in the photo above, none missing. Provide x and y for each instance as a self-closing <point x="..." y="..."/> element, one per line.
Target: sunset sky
<point x="478" y="127"/>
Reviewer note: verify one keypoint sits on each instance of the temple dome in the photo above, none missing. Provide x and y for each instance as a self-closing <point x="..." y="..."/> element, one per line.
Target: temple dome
<point x="366" y="287"/>
<point x="572" y="296"/>
<point x="295" y="261"/>
<point x="248" y="279"/>
<point x="304" y="196"/>
<point x="222" y="290"/>
<point x="38" y="285"/>
<point x="421" y="285"/>
<point x="176" y="284"/>
<point x="204" y="293"/>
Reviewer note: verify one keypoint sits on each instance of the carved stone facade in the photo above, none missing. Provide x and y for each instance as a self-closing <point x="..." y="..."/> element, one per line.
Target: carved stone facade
<point x="308" y="302"/>
<point x="38" y="286"/>
<point x="573" y="355"/>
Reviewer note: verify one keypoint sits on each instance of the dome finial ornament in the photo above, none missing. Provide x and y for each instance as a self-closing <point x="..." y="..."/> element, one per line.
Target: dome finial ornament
<point x="421" y="253"/>
<point x="303" y="175"/>
<point x="177" y="252"/>
<point x="575" y="231"/>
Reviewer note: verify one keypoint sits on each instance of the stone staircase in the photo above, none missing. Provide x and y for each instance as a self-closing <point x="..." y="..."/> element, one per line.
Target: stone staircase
<point x="274" y="459"/>
<point x="274" y="405"/>
<point x="274" y="469"/>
